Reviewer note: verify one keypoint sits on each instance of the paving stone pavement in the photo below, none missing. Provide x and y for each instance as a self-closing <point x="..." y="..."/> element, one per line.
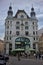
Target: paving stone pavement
<point x="14" y="61"/>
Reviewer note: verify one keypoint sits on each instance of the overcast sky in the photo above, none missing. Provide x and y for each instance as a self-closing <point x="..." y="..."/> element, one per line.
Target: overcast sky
<point x="20" y="4"/>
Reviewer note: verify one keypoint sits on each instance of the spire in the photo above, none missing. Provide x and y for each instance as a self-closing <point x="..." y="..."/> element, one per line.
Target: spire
<point x="32" y="9"/>
<point x="10" y="6"/>
<point x="10" y="12"/>
<point x="32" y="14"/>
<point x="10" y="3"/>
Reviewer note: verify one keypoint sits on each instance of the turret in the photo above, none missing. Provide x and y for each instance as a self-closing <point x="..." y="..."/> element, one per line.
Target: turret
<point x="10" y="12"/>
<point x="32" y="13"/>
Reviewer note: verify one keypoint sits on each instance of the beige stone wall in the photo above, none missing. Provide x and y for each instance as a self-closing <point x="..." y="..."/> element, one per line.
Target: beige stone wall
<point x="40" y="44"/>
<point x="2" y="46"/>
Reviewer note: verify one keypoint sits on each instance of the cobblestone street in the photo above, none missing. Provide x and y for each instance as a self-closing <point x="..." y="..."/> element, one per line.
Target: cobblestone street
<point x="14" y="61"/>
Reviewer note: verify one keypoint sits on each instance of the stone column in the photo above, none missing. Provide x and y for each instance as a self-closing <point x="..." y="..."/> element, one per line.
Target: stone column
<point x="7" y="48"/>
<point x="13" y="43"/>
<point x="36" y="47"/>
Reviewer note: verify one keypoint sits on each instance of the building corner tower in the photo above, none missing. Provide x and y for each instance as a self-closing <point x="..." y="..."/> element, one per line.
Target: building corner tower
<point x="8" y="30"/>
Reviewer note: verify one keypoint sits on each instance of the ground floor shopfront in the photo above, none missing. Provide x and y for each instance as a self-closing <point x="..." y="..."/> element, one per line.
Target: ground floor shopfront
<point x="21" y="43"/>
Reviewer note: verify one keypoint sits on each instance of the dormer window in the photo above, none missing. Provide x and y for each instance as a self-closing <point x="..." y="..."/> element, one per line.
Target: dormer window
<point x="22" y="16"/>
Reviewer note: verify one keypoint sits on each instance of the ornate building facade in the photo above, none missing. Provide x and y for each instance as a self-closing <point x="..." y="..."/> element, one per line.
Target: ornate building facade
<point x="21" y="30"/>
<point x="40" y="44"/>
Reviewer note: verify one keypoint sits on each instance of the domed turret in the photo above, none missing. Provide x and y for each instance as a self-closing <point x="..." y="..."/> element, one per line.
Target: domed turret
<point x="10" y="12"/>
<point x="32" y="9"/>
<point x="10" y="7"/>
<point x="32" y="14"/>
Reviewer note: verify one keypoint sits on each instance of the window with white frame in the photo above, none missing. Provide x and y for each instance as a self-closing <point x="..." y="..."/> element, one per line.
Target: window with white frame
<point x="26" y="23"/>
<point x="17" y="27"/>
<point x="33" y="32"/>
<point x="10" y="32"/>
<point x="26" y="33"/>
<point x="17" y="22"/>
<point x="17" y="32"/>
<point x="26" y="27"/>
<point x="33" y="38"/>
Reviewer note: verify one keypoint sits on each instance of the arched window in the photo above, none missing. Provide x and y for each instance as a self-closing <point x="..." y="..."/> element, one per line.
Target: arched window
<point x="21" y="42"/>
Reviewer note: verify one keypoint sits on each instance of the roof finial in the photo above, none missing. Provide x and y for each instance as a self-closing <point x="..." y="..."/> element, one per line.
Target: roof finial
<point x="32" y="9"/>
<point x="10" y="3"/>
<point x="32" y="5"/>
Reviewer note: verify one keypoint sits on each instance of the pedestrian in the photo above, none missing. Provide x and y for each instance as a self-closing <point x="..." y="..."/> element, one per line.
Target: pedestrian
<point x="18" y="56"/>
<point x="39" y="55"/>
<point x="29" y="54"/>
<point x="26" y="55"/>
<point x="36" y="55"/>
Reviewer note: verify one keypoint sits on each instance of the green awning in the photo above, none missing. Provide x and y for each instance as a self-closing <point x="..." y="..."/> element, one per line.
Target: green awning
<point x="31" y="49"/>
<point x="19" y="49"/>
<point x="18" y="42"/>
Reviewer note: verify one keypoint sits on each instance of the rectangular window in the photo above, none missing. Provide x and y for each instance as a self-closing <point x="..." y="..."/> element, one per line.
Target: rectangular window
<point x="7" y="38"/>
<point x="33" y="32"/>
<point x="7" y="32"/>
<point x="33" y="27"/>
<point x="26" y="23"/>
<point x="10" y="47"/>
<point x="34" y="38"/>
<point x="17" y="27"/>
<point x="7" y="27"/>
<point x="8" y="22"/>
<point x="17" y="22"/>
<point x="10" y="38"/>
<point x="17" y="32"/>
<point x="36" y="32"/>
<point x="34" y="46"/>
<point x="10" y="32"/>
<point x="26" y="27"/>
<point x="33" y="23"/>
<point x="26" y="33"/>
